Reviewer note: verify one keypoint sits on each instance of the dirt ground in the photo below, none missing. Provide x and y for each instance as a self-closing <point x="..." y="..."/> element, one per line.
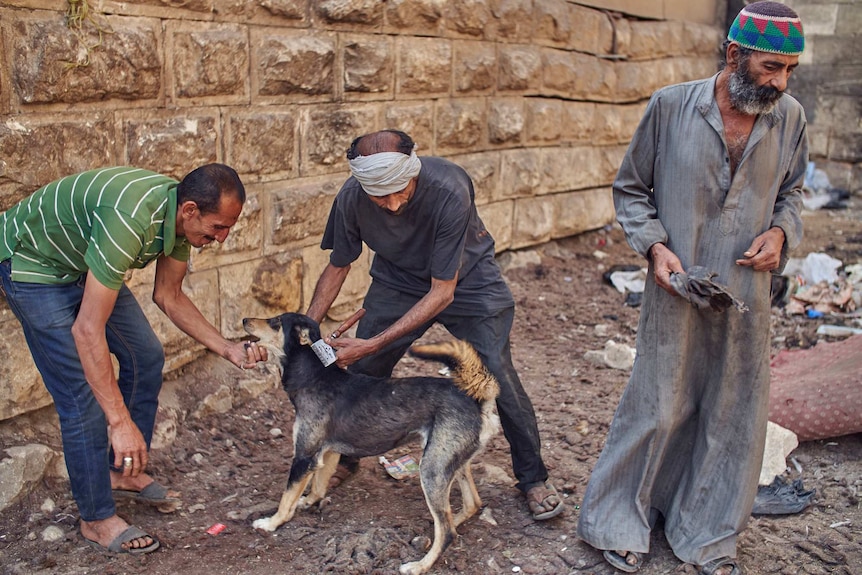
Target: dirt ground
<point x="231" y="467"/>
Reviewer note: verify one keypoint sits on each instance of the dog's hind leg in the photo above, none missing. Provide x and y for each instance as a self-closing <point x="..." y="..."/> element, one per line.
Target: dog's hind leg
<point x="436" y="484"/>
<point x="320" y="479"/>
<point x="300" y="475"/>
<point x="470" y="500"/>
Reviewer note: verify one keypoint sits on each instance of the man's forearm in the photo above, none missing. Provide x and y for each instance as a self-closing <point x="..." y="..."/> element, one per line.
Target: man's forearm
<point x="327" y="289"/>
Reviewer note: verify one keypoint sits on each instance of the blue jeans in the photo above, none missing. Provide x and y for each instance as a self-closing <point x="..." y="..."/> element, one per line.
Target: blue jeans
<point x="489" y="335"/>
<point x="46" y="313"/>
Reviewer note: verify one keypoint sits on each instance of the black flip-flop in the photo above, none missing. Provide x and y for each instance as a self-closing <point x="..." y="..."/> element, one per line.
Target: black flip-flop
<point x="154" y="494"/>
<point x="619" y="561"/>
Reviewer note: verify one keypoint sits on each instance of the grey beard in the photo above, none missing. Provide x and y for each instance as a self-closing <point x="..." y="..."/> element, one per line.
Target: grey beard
<point x="748" y="98"/>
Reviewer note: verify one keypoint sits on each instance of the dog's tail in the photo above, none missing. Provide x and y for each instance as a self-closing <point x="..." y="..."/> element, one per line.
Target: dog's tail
<point x="468" y="371"/>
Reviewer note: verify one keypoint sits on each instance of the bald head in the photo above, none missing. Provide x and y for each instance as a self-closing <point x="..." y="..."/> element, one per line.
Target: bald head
<point x="382" y="141"/>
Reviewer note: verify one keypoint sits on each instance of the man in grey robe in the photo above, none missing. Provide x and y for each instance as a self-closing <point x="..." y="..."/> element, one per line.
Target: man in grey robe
<point x="712" y="178"/>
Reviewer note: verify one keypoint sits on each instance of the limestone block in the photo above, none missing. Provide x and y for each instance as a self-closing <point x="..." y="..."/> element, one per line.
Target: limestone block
<point x="326" y="133"/>
<point x="497" y="217"/>
<point x="577" y="76"/>
<point x="835" y="51"/>
<point x="533" y="221"/>
<point x="275" y="287"/>
<point x="414" y="17"/>
<point x="578" y="122"/>
<point x="592" y="31"/>
<point x="520" y="172"/>
<point x="279" y="12"/>
<point x="702" y="39"/>
<point x="565" y="169"/>
<point x="127" y="64"/>
<point x="158" y="6"/>
<point x="845" y="147"/>
<point x="461" y="124"/>
<point x="467" y="17"/>
<point x="512" y="20"/>
<point x="352" y="291"/>
<point x="203" y="59"/>
<point x="520" y="68"/>
<point x="848" y="22"/>
<point x="611" y="158"/>
<point x="220" y="401"/>
<point x="617" y="123"/>
<point x="350" y="12"/>
<point x="425" y="66"/>
<point x="22" y="468"/>
<point x="484" y="170"/>
<point x="651" y="39"/>
<point x="172" y="144"/>
<point x="262" y="142"/>
<point x="543" y="119"/>
<point x="37" y="150"/>
<point x="203" y="289"/>
<point x="369" y="65"/>
<point x="288" y="63"/>
<point x="578" y="212"/>
<point x="21" y="387"/>
<point x="298" y="214"/>
<point x="639" y="79"/>
<point x="820" y="18"/>
<point x="818" y="140"/>
<point x="506" y="120"/>
<point x="553" y="23"/>
<point x="414" y="119"/>
<point x="475" y="66"/>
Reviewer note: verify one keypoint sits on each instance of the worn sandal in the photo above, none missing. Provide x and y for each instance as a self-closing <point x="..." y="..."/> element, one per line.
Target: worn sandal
<point x="621" y="561"/>
<point x="536" y="503"/>
<point x="130" y="534"/>
<point x="712" y="567"/>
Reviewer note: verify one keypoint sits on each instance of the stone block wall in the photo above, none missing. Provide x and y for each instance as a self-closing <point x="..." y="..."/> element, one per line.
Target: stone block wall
<point x="538" y="99"/>
<point x="828" y="83"/>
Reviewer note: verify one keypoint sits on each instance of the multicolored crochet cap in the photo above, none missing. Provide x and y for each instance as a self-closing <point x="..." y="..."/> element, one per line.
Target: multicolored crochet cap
<point x="768" y="27"/>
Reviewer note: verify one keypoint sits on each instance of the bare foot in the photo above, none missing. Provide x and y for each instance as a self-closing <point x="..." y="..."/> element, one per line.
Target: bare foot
<point x="544" y="502"/>
<point x="105" y="531"/>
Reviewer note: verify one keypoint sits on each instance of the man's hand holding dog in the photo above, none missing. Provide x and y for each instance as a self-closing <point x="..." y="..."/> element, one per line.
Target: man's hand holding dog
<point x="244" y="354"/>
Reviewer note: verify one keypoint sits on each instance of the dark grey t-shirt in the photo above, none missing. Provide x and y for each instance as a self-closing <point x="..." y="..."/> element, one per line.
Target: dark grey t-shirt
<point x="438" y="234"/>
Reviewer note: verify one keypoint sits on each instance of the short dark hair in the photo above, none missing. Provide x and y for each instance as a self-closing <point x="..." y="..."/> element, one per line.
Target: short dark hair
<point x="382" y="141"/>
<point x="744" y="54"/>
<point x="206" y="185"/>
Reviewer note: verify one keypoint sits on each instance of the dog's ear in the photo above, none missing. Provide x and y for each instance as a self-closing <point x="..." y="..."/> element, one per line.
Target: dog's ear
<point x="305" y="336"/>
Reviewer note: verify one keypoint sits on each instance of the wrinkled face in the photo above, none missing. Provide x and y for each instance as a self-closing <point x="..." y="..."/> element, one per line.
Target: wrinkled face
<point x="397" y="202"/>
<point x="202" y="229"/>
<point x="759" y="80"/>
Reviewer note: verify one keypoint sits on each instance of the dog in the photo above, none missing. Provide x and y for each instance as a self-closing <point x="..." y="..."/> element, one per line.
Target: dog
<point x="338" y="412"/>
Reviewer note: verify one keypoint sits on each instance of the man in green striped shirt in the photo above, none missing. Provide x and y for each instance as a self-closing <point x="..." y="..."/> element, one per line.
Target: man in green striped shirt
<point x="64" y="253"/>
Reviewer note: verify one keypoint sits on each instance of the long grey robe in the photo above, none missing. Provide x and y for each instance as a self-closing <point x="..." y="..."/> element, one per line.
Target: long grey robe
<point x="688" y="435"/>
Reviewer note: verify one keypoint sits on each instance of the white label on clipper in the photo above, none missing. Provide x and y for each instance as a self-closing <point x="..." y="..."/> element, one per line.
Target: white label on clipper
<point x="325" y="353"/>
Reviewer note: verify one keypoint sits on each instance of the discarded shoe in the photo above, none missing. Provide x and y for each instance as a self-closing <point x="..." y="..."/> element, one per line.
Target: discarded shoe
<point x="781" y="498"/>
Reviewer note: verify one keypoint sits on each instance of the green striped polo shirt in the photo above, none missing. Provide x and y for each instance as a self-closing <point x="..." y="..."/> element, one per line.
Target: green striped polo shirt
<point x="106" y="221"/>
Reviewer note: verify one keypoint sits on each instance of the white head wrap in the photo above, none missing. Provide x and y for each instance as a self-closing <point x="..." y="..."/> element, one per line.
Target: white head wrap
<point x="385" y="173"/>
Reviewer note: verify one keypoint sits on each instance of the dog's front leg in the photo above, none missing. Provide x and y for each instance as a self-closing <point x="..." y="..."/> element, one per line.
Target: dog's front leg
<point x="300" y="475"/>
<point x="320" y="479"/>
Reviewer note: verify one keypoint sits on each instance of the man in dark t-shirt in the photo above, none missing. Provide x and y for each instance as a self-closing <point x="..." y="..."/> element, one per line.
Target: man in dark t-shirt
<point x="433" y="262"/>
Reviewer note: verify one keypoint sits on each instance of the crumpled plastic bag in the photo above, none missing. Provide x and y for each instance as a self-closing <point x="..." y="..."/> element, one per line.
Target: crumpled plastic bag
<point x="697" y="287"/>
<point x="782" y="498"/>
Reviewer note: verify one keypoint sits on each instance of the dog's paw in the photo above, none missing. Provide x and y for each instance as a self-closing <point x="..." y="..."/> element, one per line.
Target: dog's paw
<point x="265" y="524"/>
<point x="412" y="568"/>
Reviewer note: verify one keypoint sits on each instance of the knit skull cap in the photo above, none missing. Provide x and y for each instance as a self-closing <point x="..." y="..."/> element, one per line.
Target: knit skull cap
<point x="768" y="27"/>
